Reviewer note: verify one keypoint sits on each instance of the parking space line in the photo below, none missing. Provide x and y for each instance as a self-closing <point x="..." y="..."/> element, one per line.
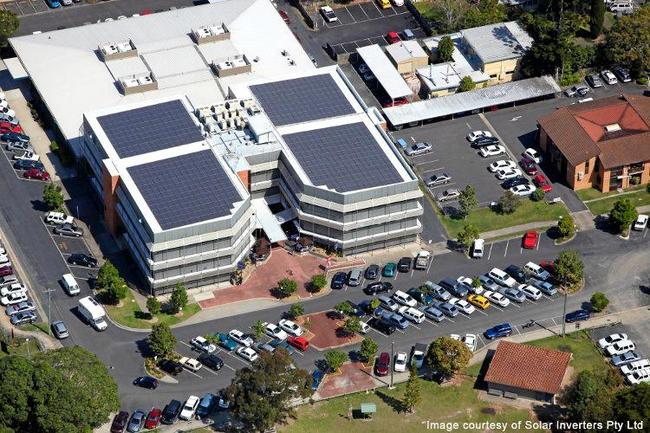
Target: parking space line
<point x="351" y="16"/>
<point x="497" y="307"/>
<point x="515" y="304"/>
<point x="505" y="252"/>
<point x="364" y="12"/>
<point x="553" y="320"/>
<point x="482" y="312"/>
<point x="378" y="10"/>
<point x="430" y="263"/>
<point x="416" y="327"/>
<point x="645" y="232"/>
<point x="430" y="170"/>
<point x="446" y="185"/>
<point x="450" y="319"/>
<point x="431" y="322"/>
<point x="517" y="329"/>
<point x="521" y="250"/>
<point x="481" y="339"/>
<point x="490" y="252"/>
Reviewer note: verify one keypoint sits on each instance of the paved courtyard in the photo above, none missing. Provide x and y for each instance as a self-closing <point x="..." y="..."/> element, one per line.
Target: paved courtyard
<point x="327" y="331"/>
<point x="351" y="378"/>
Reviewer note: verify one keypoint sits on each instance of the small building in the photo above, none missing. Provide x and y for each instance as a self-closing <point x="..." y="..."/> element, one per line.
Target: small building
<point x="603" y="144"/>
<point x="407" y="56"/>
<point x="523" y="371"/>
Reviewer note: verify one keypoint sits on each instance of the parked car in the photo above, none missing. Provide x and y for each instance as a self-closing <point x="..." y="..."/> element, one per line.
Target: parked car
<point x="470" y="340"/>
<point x="338" y="280"/>
<point x="625" y="358"/>
<point x="14" y="298"/>
<point x="528" y="166"/>
<point x="576" y="316"/>
<point x="455" y="287"/>
<point x="641" y="376"/>
<point x="420" y="296"/>
<point x="530" y="240"/>
<point x="405" y="264"/>
<point x="146" y="382"/>
<point x="23" y="318"/>
<point x="300" y="343"/>
<point x="13" y="288"/>
<point x="510" y="183"/>
<point x="531" y="292"/>
<point x="285" y="16"/>
<point x="247" y="353"/>
<point x="533" y="155"/>
<point x="641" y="364"/>
<point x="206" y="404"/>
<point x="170" y="412"/>
<point x="317" y="377"/>
<point x="404" y="298"/>
<point x="291" y="327"/>
<point x="605" y="342"/>
<point x="80" y="259"/>
<point x="68" y="230"/>
<point x="136" y="422"/>
<point x="418" y="149"/>
<point x="226" y="342"/>
<point x="170" y="367"/>
<point x="497" y="298"/>
<point x="437" y="291"/>
<point x="594" y="81"/>
<point x="641" y="222"/>
<point x="622" y="74"/>
<point x="14" y="136"/>
<point x="153" y="418"/>
<point x="328" y="14"/>
<point x="620" y="347"/>
<point x="492" y="150"/>
<point x="399" y="364"/>
<point x="478" y="248"/>
<point x="282" y="344"/>
<point x="608" y="77"/>
<point x="536" y="271"/>
<point x="26" y="155"/>
<point x="201" y="344"/>
<point x="432" y="313"/>
<point x="462" y="305"/>
<point x="542" y="183"/>
<point x="382" y="364"/>
<point x="35" y="173"/>
<point x="18" y="146"/>
<point x="24" y="164"/>
<point x="484" y="141"/>
<point x="523" y="190"/>
<point x="392" y="37"/>
<point x="546" y="287"/>
<point x="354" y="277"/>
<point x="378" y="287"/>
<point x="389" y="270"/>
<point x="508" y="173"/>
<point x="190" y="363"/>
<point x="501" y="330"/>
<point x="502" y="278"/>
<point x="382" y="326"/>
<point x="516" y="272"/>
<point x="372" y="272"/>
<point x="189" y="408"/>
<point x="513" y="294"/>
<point x="579" y="90"/>
<point x="475" y="135"/>
<point x="449" y="194"/>
<point x="447" y="309"/>
<point x="122" y="418"/>
<point x="418" y="353"/>
<point x="241" y="338"/>
<point x="60" y="330"/>
<point x="20" y="308"/>
<point x="274" y="331"/>
<point x="478" y="301"/>
<point x="502" y="164"/>
<point x="438" y="179"/>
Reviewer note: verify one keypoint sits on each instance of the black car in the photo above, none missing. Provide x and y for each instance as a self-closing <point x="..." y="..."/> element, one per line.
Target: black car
<point x="622" y="74"/>
<point x="454" y="287"/>
<point x="146" y="382"/>
<point x="484" y="141"/>
<point x="372" y="272"/>
<point x="14" y="136"/>
<point x="119" y="422"/>
<point x="576" y="316"/>
<point x="170" y="412"/>
<point x="382" y="326"/>
<point x="519" y="180"/>
<point x="516" y="272"/>
<point x="170" y="367"/>
<point x="378" y="287"/>
<point x="404" y="264"/>
<point x="338" y="280"/>
<point x="23" y="164"/>
<point x="211" y="360"/>
<point x="82" y="260"/>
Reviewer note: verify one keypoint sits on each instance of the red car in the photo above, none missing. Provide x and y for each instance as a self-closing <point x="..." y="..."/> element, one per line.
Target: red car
<point x="298" y="342"/>
<point x="392" y="37"/>
<point x="6" y="270"/>
<point x="153" y="419"/>
<point x="8" y="127"/>
<point x="285" y="16"/>
<point x="530" y="240"/>
<point x="543" y="183"/>
<point x="548" y="265"/>
<point x="35" y="173"/>
<point x="529" y="166"/>
<point x="382" y="365"/>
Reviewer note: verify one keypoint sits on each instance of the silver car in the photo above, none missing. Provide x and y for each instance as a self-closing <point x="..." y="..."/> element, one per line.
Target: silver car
<point x="418" y="148"/>
<point x="449" y="194"/>
<point x="19" y="146"/>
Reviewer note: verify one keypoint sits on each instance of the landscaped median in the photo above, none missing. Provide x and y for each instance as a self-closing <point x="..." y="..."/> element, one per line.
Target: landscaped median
<point x="602" y="202"/>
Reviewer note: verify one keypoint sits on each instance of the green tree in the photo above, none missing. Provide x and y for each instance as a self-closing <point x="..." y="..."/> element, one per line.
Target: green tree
<point x="153" y="305"/>
<point x="368" y="349"/>
<point x="258" y="329"/>
<point x="537" y="195"/>
<point x="508" y="203"/>
<point x="287" y="287"/>
<point x="52" y="195"/>
<point x="106" y="276"/>
<point x="589" y="398"/>
<point x="179" y="298"/>
<point x="412" y="392"/>
<point x="8" y="25"/>
<point x="335" y="359"/>
<point x="476" y="283"/>
<point x="466" y="84"/>
<point x="633" y="403"/>
<point x="352" y="325"/>
<point x="116" y="291"/>
<point x="344" y="308"/>
<point x="318" y="282"/>
<point x="261" y="393"/>
<point x="374" y="303"/>
<point x="596" y="18"/>
<point x="569" y="268"/>
<point x="622" y="215"/>
<point x="485" y="12"/>
<point x="467" y="200"/>
<point x="599" y="302"/>
<point x="162" y="342"/>
<point x="467" y="235"/>
<point x="628" y="41"/>
<point x="16" y="389"/>
<point x="296" y="310"/>
<point x="448" y="14"/>
<point x="446" y="49"/>
<point x="447" y="356"/>
<point x="566" y="227"/>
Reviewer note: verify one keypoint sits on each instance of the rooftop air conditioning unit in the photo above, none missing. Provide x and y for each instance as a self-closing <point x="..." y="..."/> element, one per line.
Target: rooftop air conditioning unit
<point x="614" y="127"/>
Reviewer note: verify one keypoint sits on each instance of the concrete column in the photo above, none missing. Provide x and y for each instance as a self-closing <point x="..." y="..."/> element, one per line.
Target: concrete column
<point x="109" y="184"/>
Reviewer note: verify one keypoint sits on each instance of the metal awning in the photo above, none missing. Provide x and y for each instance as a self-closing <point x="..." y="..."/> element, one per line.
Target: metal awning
<point x="15" y="68"/>
<point x="368" y="408"/>
<point x="264" y="219"/>
<point x="384" y="71"/>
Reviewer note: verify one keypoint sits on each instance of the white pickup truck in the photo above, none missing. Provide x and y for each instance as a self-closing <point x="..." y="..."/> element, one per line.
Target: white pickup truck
<point x="58" y="218"/>
<point x="422" y="259"/>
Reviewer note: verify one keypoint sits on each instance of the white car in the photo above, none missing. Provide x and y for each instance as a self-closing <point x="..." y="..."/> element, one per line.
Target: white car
<point x="630" y="368"/>
<point x="470" y="283"/>
<point x="620" y="347"/>
<point x="536" y="271"/>
<point x="637" y="377"/>
<point x="603" y="343"/>
<point x="475" y="135"/>
<point x="13" y="288"/>
<point x="328" y="14"/>
<point x="523" y="190"/>
<point x="470" y="340"/>
<point x="401" y="359"/>
<point x="497" y="298"/>
<point x="241" y="338"/>
<point x="27" y="155"/>
<point x="58" y="218"/>
<point x="508" y="173"/>
<point x="531" y="292"/>
<point x="501" y="277"/>
<point x="533" y="155"/>
<point x="202" y="344"/>
<point x="4" y="259"/>
<point x="14" y="298"/>
<point x="641" y="222"/>
<point x="190" y="363"/>
<point x="462" y="305"/>
<point x="609" y="77"/>
<point x="274" y="331"/>
<point x="404" y="299"/>
<point x="492" y="150"/>
<point x="502" y="164"/>
<point x="247" y="353"/>
<point x="291" y="327"/>
<point x="189" y="408"/>
<point x="364" y="327"/>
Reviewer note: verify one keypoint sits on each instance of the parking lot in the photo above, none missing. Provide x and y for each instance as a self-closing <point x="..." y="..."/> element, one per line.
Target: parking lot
<point x="362" y="13"/>
<point x="25" y="7"/>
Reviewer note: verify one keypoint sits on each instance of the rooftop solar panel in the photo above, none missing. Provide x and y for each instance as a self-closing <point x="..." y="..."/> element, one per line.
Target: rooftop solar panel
<point x="343" y="158"/>
<point x="150" y="128"/>
<point x="186" y="189"/>
<point x="302" y="99"/>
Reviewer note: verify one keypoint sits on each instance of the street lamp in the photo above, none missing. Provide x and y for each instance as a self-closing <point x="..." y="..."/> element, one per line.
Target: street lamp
<point x="564" y="313"/>
<point x="49" y="303"/>
<point x="392" y="357"/>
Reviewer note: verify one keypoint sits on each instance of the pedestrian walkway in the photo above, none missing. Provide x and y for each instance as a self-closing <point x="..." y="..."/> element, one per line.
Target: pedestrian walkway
<point x="583" y="220"/>
<point x="517" y="229"/>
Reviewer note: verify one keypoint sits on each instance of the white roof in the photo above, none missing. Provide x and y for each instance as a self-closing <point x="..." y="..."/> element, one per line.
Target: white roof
<point x="383" y="69"/>
<point x="72" y="79"/>
<point x="472" y="100"/>
<point x="405" y="50"/>
<point x="266" y="220"/>
<point x="495" y="42"/>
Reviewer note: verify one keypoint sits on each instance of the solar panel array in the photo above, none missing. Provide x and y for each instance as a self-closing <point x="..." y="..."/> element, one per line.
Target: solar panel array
<point x="302" y="99"/>
<point x="150" y="128"/>
<point x="186" y="189"/>
<point x="342" y="158"/>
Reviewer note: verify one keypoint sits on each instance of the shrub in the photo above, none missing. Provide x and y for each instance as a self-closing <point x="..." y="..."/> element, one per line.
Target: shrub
<point x="537" y="195"/>
<point x="296" y="310"/>
<point x="287" y="287"/>
<point x="317" y="283"/>
<point x="599" y="302"/>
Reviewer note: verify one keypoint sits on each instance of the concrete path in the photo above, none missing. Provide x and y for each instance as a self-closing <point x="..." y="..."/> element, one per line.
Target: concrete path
<point x="584" y="220"/>
<point x="517" y="229"/>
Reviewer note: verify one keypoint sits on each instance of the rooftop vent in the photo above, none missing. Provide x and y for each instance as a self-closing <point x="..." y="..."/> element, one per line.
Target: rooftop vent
<point x="213" y="33"/>
<point x="138" y="83"/>
<point x="118" y="50"/>
<point x="614" y="127"/>
<point x="231" y="66"/>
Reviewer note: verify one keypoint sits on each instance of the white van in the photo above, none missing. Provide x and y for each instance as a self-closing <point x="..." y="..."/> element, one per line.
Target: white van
<point x="70" y="284"/>
<point x="412" y="314"/>
<point x="477" y="248"/>
<point x="621" y="7"/>
<point x="536" y="271"/>
<point x="501" y="277"/>
<point x="404" y="299"/>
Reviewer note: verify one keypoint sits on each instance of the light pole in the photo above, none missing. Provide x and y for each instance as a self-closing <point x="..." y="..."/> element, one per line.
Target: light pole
<point x="564" y="313"/>
<point x="390" y="364"/>
<point x="29" y="355"/>
<point x="49" y="303"/>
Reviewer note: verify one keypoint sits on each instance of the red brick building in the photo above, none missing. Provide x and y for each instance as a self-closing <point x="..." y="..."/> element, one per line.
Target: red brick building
<point x="603" y="144"/>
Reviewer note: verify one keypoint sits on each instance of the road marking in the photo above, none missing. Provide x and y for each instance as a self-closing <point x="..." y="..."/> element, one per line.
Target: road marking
<point x="515" y="304"/>
<point x="517" y="329"/>
<point x="446" y="185"/>
<point x="490" y="252"/>
<point x="429" y="267"/>
<point x="227" y="366"/>
<point x="431" y="322"/>
<point x="422" y="172"/>
<point x="351" y="16"/>
<point x="416" y="327"/>
<point x="450" y="319"/>
<point x="554" y="322"/>
<point x="496" y="134"/>
<point x="505" y="252"/>
<point x="412" y="270"/>
<point x="645" y="232"/>
<point x="539" y="241"/>
<point x="468" y="126"/>
<point x="481" y="311"/>
<point x="521" y="250"/>
<point x="364" y="12"/>
<point x="497" y="307"/>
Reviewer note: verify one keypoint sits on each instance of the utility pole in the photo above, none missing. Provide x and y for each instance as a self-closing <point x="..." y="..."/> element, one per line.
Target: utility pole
<point x="49" y="303"/>
<point x="564" y="314"/>
<point x="392" y="359"/>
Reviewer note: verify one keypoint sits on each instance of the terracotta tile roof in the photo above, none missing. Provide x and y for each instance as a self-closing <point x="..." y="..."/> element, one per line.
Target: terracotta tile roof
<point x="528" y="367"/>
<point x="579" y="132"/>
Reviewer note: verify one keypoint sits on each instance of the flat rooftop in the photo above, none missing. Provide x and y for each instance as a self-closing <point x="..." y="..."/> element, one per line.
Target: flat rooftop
<point x="496" y="42"/>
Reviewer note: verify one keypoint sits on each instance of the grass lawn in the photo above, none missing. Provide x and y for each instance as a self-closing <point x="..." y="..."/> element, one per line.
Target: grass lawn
<point x="129" y="314"/>
<point x="638" y="198"/>
<point x="39" y="326"/>
<point x="485" y="219"/>
<point x="425" y="8"/>
<point x="23" y="347"/>
<point x="449" y="404"/>
<point x="593" y="193"/>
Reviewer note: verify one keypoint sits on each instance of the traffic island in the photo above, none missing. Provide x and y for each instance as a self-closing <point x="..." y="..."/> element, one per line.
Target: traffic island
<point x="326" y="328"/>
